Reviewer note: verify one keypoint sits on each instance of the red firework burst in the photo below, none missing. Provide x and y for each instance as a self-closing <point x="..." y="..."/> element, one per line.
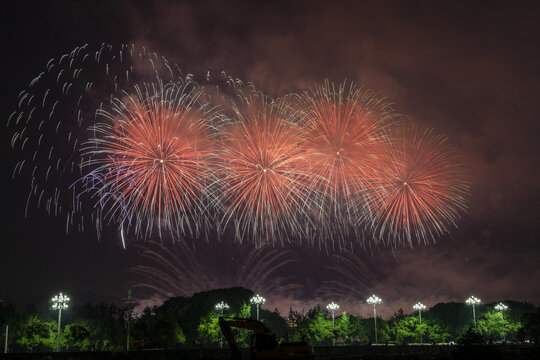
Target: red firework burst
<point x="422" y="190"/>
<point x="343" y="128"/>
<point x="151" y="157"/>
<point x="263" y="170"/>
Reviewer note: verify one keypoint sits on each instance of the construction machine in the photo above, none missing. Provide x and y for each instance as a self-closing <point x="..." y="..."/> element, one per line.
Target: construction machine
<point x="262" y="343"/>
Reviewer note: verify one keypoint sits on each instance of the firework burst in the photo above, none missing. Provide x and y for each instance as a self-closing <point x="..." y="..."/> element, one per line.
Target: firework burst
<point x="343" y="130"/>
<point x="151" y="156"/>
<point x="356" y="280"/>
<point x="114" y="137"/>
<point x="54" y="112"/>
<point x="263" y="168"/>
<point x="423" y="188"/>
<point x="185" y="268"/>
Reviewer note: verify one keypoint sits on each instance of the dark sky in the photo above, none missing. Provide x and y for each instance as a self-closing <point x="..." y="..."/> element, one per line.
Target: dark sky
<point x="467" y="69"/>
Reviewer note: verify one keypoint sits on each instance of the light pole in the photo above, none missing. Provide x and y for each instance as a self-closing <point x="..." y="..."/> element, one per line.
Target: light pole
<point x="221" y="307"/>
<point x="128" y="317"/>
<point x="374" y="300"/>
<point x="473" y="301"/>
<point x="419" y="307"/>
<point x="257" y="300"/>
<point x="501" y="307"/>
<point x="60" y="302"/>
<point x="6" y="331"/>
<point x="333" y="307"/>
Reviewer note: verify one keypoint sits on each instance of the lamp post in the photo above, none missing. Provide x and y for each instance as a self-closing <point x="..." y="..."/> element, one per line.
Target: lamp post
<point x="128" y="317"/>
<point x="419" y="307"/>
<point x="60" y="302"/>
<point x="501" y="307"/>
<point x="221" y="307"/>
<point x="473" y="301"/>
<point x="333" y="307"/>
<point x="257" y="300"/>
<point x="374" y="300"/>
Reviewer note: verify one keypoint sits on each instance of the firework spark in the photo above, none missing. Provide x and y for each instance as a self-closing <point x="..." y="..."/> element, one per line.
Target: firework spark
<point x="56" y="109"/>
<point x="355" y="282"/>
<point x="343" y="129"/>
<point x="184" y="268"/>
<point x="151" y="154"/>
<point x="113" y="137"/>
<point x="423" y="187"/>
<point x="264" y="171"/>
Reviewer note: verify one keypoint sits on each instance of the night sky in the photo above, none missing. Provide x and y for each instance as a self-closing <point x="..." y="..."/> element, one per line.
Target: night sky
<point x="468" y="70"/>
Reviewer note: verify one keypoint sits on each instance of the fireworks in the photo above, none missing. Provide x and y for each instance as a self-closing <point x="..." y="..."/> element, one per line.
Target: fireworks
<point x="345" y="137"/>
<point x="422" y="187"/>
<point x="151" y="156"/>
<point x="114" y="138"/>
<point x="50" y="125"/>
<point x="185" y="268"/>
<point x="264" y="171"/>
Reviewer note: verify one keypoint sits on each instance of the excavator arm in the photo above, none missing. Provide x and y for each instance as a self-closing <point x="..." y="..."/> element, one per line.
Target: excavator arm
<point x="249" y="324"/>
<point x="263" y="342"/>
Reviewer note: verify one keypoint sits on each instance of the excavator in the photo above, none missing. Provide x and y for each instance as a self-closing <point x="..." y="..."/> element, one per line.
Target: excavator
<point x="262" y="343"/>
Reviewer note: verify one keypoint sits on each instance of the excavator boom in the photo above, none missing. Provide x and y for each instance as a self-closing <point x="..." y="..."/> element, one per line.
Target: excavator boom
<point x="263" y="344"/>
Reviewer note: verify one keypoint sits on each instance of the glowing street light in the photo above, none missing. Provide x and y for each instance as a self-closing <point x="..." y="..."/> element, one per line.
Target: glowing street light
<point x="60" y="302"/>
<point x="420" y="307"/>
<point x="374" y="300"/>
<point x="221" y="307"/>
<point x="257" y="300"/>
<point x="501" y="307"/>
<point x="473" y="301"/>
<point x="333" y="307"/>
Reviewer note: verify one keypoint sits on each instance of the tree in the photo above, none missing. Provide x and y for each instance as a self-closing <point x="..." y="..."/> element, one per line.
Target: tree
<point x="470" y="337"/>
<point x="436" y="332"/>
<point x="275" y="322"/>
<point x="343" y="328"/>
<point x="320" y="329"/>
<point x="38" y="335"/>
<point x="490" y="324"/>
<point x="15" y="321"/>
<point x="406" y="329"/>
<point x="107" y="322"/>
<point x="77" y="336"/>
<point x="208" y="329"/>
<point x="455" y="317"/>
<point x="359" y="329"/>
<point x="531" y="327"/>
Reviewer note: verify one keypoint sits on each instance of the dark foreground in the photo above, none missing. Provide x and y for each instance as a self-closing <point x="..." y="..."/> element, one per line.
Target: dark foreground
<point x="324" y="353"/>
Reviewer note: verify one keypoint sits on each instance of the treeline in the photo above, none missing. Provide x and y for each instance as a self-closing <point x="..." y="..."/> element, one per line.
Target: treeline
<point x="182" y="322"/>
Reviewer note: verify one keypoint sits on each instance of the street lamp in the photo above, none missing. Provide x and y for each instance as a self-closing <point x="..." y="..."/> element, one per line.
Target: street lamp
<point x="333" y="307"/>
<point x="419" y="307"/>
<point x="221" y="307"/>
<point x="473" y="301"/>
<point x="60" y="302"/>
<point x="374" y="300"/>
<point x="501" y="307"/>
<point x="257" y="300"/>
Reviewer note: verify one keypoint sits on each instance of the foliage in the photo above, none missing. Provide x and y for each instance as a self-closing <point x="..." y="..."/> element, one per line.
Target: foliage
<point x="181" y="321"/>
<point x="38" y="335"/>
<point x="456" y="317"/>
<point x="320" y="330"/>
<point x="156" y="328"/>
<point x="343" y="328"/>
<point x="471" y="337"/>
<point x="77" y="336"/>
<point x="436" y="332"/>
<point x="208" y="330"/>
<point x="490" y="324"/>
<point x="407" y="329"/>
